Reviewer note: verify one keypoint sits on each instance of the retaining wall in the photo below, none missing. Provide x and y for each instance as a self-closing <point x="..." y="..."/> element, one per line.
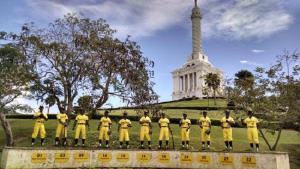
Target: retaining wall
<point x="91" y="158"/>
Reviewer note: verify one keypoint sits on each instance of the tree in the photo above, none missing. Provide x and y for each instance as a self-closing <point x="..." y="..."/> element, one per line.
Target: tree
<point x="15" y="77"/>
<point x="125" y="75"/>
<point x="242" y="93"/>
<point x="228" y="87"/>
<point x="86" y="102"/>
<point x="278" y="95"/>
<point x="273" y="93"/>
<point x="79" y="55"/>
<point x="212" y="80"/>
<point x="206" y="90"/>
<point x="244" y="79"/>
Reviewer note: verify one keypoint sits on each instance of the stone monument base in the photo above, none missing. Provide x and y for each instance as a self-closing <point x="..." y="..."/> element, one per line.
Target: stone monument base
<point x="17" y="158"/>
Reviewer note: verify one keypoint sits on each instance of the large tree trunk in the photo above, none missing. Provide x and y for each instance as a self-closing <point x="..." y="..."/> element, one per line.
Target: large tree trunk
<point x="272" y="148"/>
<point x="277" y="140"/>
<point x="7" y="130"/>
<point x="265" y="139"/>
<point x="69" y="98"/>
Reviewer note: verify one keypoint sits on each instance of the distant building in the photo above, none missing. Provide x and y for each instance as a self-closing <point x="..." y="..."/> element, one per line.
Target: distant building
<point x="188" y="81"/>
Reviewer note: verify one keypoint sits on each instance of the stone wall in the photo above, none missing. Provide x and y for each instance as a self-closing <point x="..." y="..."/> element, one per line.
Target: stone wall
<point x="89" y="158"/>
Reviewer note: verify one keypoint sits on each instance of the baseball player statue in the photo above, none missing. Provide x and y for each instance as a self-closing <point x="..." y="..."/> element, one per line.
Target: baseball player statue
<point x="61" y="129"/>
<point x="104" y="129"/>
<point x="123" y="128"/>
<point x="226" y="124"/>
<point x="81" y="123"/>
<point x="205" y="126"/>
<point x="39" y="127"/>
<point x="146" y="130"/>
<point x="185" y="125"/>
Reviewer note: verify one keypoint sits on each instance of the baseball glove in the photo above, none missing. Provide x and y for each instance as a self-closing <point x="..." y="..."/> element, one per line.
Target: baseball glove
<point x="207" y="131"/>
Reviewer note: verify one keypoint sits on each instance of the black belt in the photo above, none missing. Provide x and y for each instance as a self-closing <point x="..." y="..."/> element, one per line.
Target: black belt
<point x="40" y="122"/>
<point x="164" y="126"/>
<point x="251" y="127"/>
<point x="104" y="126"/>
<point x="81" y="123"/>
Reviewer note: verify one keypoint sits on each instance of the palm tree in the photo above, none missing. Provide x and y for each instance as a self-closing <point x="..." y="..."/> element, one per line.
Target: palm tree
<point x="244" y="79"/>
<point x="213" y="81"/>
<point x="244" y="82"/>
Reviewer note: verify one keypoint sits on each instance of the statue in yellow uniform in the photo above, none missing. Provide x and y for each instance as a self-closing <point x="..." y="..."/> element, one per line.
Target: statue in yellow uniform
<point x="185" y="125"/>
<point x="164" y="125"/>
<point x="205" y="126"/>
<point x="226" y="123"/>
<point x="104" y="128"/>
<point x="123" y="128"/>
<point x="39" y="127"/>
<point x="146" y="130"/>
<point x="62" y="128"/>
<point x="81" y="123"/>
<point x="252" y="132"/>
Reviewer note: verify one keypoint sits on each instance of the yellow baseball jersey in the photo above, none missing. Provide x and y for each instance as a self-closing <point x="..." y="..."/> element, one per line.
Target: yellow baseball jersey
<point x="124" y="123"/>
<point x="185" y="123"/>
<point x="224" y="123"/>
<point x="205" y="121"/>
<point x="164" y="122"/>
<point x="105" y="121"/>
<point x="251" y="122"/>
<point x="39" y="119"/>
<point x="81" y="119"/>
<point x="145" y="120"/>
<point x="62" y="117"/>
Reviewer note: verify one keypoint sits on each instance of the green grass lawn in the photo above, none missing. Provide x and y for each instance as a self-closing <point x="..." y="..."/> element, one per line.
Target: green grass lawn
<point x="177" y="113"/>
<point x="290" y="140"/>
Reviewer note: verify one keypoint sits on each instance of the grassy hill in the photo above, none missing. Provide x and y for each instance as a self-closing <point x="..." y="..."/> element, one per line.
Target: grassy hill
<point x="175" y="109"/>
<point x="197" y="103"/>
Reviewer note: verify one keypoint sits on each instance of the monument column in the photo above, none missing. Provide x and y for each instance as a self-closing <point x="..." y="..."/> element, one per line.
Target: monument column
<point x="196" y="31"/>
<point x="179" y="86"/>
<point x="191" y="82"/>
<point x="188" y="81"/>
<point x="195" y="80"/>
<point x="185" y="83"/>
<point x="181" y="83"/>
<point x="175" y="83"/>
<point x="183" y="80"/>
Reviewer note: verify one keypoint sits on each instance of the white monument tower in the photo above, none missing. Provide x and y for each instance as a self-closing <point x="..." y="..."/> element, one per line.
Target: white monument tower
<point x="188" y="81"/>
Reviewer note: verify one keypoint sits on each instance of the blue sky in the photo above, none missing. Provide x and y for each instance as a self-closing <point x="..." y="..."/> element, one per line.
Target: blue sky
<point x="237" y="34"/>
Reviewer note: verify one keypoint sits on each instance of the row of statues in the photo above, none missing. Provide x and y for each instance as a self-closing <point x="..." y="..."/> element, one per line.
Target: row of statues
<point x="124" y="124"/>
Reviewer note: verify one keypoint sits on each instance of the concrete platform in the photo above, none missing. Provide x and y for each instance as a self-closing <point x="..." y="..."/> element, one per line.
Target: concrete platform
<point x="17" y="158"/>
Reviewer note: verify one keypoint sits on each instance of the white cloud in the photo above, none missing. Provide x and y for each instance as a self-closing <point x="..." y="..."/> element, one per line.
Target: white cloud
<point x="243" y="61"/>
<point x="246" y="62"/>
<point x="257" y="51"/>
<point x="242" y="19"/>
<point x="129" y="17"/>
<point x="233" y="19"/>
